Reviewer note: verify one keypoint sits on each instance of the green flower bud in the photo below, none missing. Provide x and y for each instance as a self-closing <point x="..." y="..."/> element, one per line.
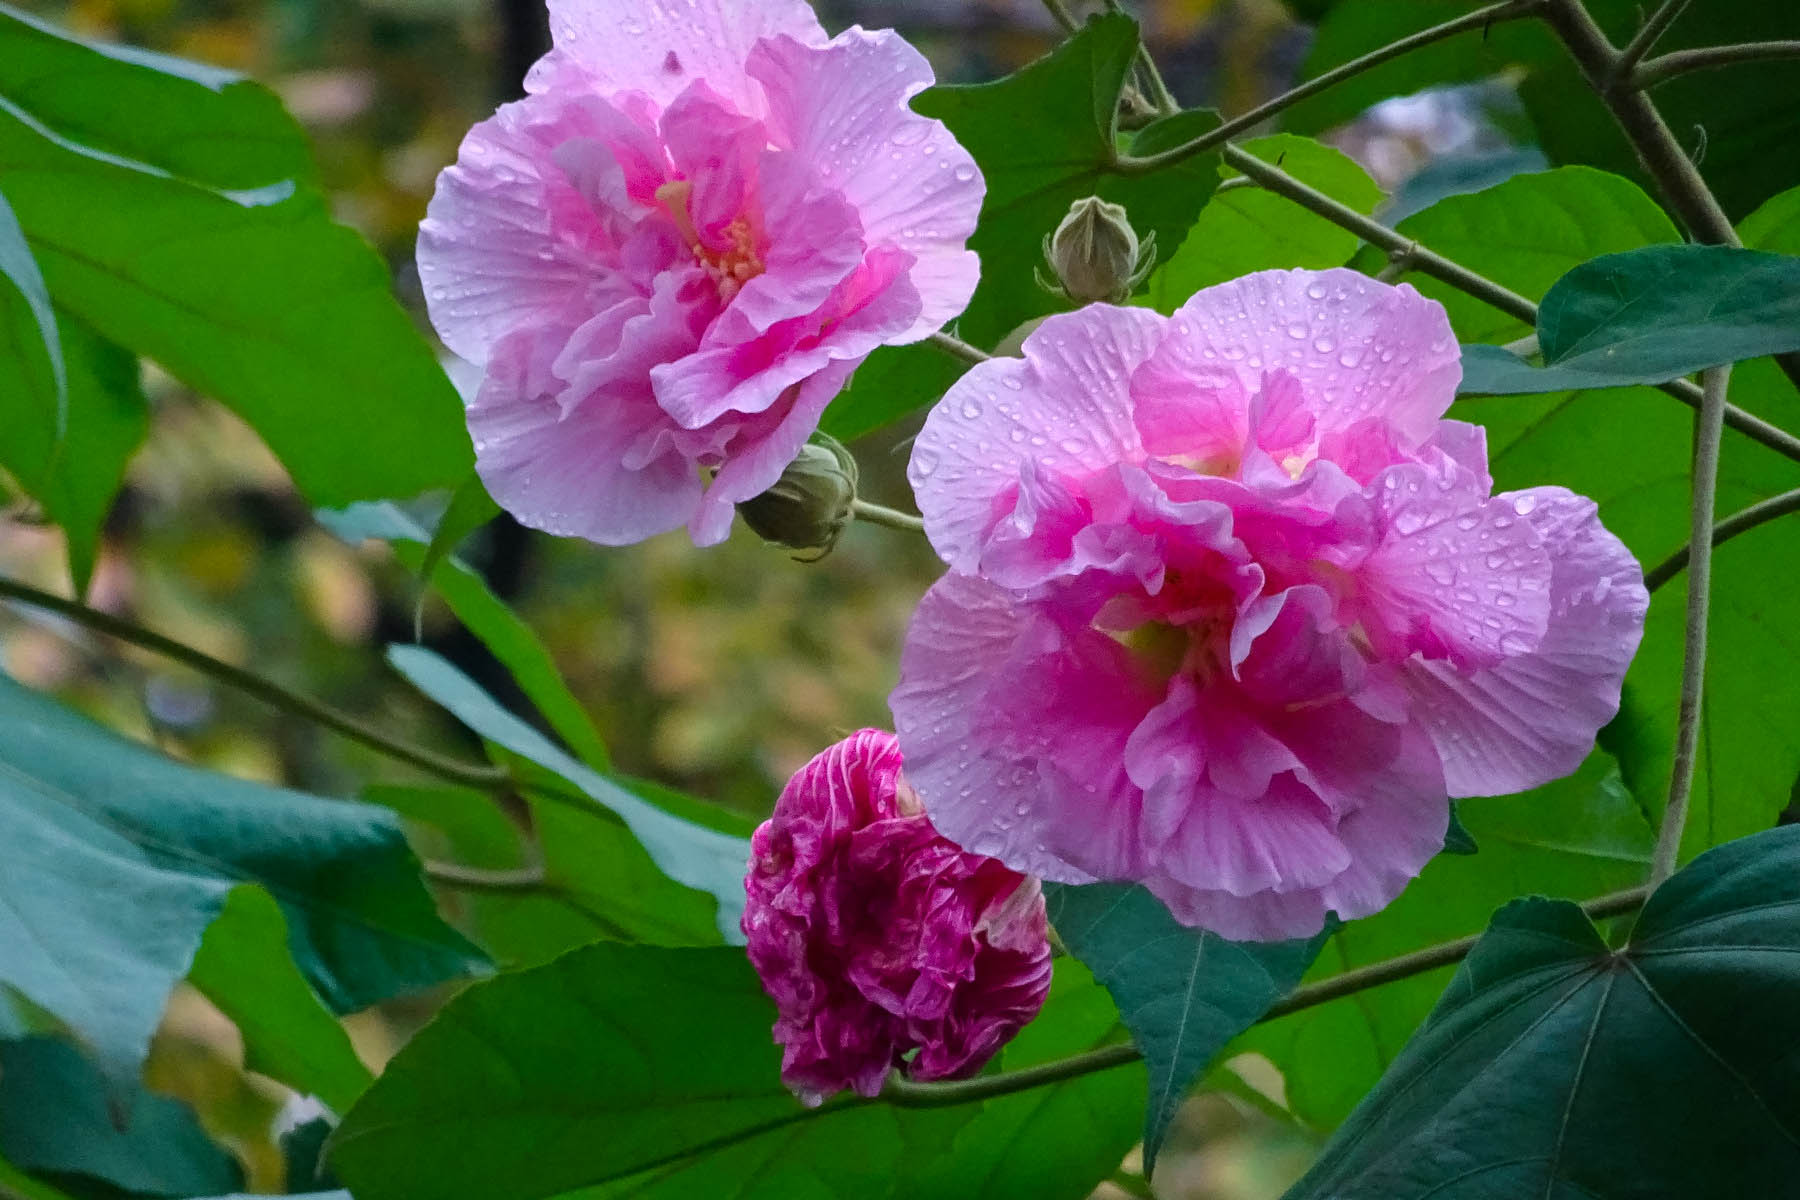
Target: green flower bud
<point x="1094" y="254"/>
<point x="810" y="505"/>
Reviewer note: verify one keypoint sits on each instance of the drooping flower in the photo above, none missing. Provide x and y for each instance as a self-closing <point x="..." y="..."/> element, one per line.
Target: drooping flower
<point x="882" y="943"/>
<point x="675" y="250"/>
<point x="1233" y="611"/>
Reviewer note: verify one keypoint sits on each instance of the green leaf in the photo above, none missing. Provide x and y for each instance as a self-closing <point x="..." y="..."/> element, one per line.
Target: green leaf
<point x="1182" y="992"/>
<point x="1045" y="137"/>
<point x="207" y="125"/>
<point x="1649" y="316"/>
<point x="1527" y="233"/>
<point x="108" y="417"/>
<point x="485" y="615"/>
<point x="689" y="853"/>
<point x="1248" y="229"/>
<point x="244" y="968"/>
<point x="894" y="381"/>
<point x="24" y="1186"/>
<point x="58" y="1116"/>
<point x="1056" y="1142"/>
<point x="257" y="300"/>
<point x="1555" y="1065"/>
<point x="118" y="859"/>
<point x="470" y="508"/>
<point x="36" y="418"/>
<point x="619" y="1071"/>
<point x="1579" y="837"/>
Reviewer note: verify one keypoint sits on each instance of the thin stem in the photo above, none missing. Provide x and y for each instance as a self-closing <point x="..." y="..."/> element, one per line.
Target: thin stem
<point x="907" y="1094"/>
<point x="1419" y="257"/>
<point x="1059" y="12"/>
<point x="1654" y="28"/>
<point x="1665" y="67"/>
<point x="1481" y="18"/>
<point x="481" y="879"/>
<point x="959" y="348"/>
<point x="1644" y="127"/>
<point x="267" y="690"/>
<point x="1738" y="522"/>
<point x="1708" y="426"/>
<point x="893" y="518"/>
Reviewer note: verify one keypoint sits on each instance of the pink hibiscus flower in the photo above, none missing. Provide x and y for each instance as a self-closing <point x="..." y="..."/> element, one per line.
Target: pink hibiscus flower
<point x="674" y="251"/>
<point x="882" y="943"/>
<point x="1232" y="610"/>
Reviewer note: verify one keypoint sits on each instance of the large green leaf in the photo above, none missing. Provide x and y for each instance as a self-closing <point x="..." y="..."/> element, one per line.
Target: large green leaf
<point x="118" y="859"/>
<point x="1056" y="1142"/>
<point x="108" y="418"/>
<point x="614" y="1071"/>
<point x="1652" y="315"/>
<point x="1577" y="838"/>
<point x="58" y="1117"/>
<point x="198" y="122"/>
<point x="1249" y="229"/>
<point x="1182" y="992"/>
<point x="256" y="299"/>
<point x="244" y="968"/>
<point x="689" y="853"/>
<point x="36" y="414"/>
<point x="1557" y="1066"/>
<point x="1044" y="137"/>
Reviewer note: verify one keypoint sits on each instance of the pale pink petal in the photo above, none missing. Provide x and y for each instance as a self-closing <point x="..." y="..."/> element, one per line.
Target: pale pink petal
<point x="493" y="256"/>
<point x="1358" y="347"/>
<point x="845" y="108"/>
<point x="566" y="474"/>
<point x="1063" y="406"/>
<point x="1533" y="718"/>
<point x="659" y="47"/>
<point x="1456" y="576"/>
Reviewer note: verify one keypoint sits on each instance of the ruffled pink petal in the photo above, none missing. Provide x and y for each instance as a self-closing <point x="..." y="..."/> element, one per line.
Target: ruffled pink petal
<point x="845" y="108"/>
<point x="1456" y="575"/>
<point x="1359" y="348"/>
<point x="567" y="473"/>
<point x="507" y="242"/>
<point x="1014" y="733"/>
<point x="659" y="48"/>
<point x="1063" y="405"/>
<point x="1533" y="718"/>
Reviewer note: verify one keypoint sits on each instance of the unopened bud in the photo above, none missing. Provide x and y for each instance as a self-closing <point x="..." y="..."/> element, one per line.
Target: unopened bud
<point x="811" y="503"/>
<point x="1094" y="254"/>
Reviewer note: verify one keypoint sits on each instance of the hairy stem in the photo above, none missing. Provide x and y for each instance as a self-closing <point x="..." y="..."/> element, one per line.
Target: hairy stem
<point x="907" y="1094"/>
<point x="1708" y="425"/>
<point x="959" y="348"/>
<point x="1676" y="177"/>
<point x="1481" y="18"/>
<point x="893" y="518"/>
<point x="1738" y="522"/>
<point x="1654" y="28"/>
<point x="1665" y="67"/>
<point x="475" y="775"/>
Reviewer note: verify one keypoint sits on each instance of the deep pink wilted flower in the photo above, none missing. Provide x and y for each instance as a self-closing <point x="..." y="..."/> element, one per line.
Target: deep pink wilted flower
<point x="876" y="936"/>
<point x="674" y="251"/>
<point x="1232" y="610"/>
